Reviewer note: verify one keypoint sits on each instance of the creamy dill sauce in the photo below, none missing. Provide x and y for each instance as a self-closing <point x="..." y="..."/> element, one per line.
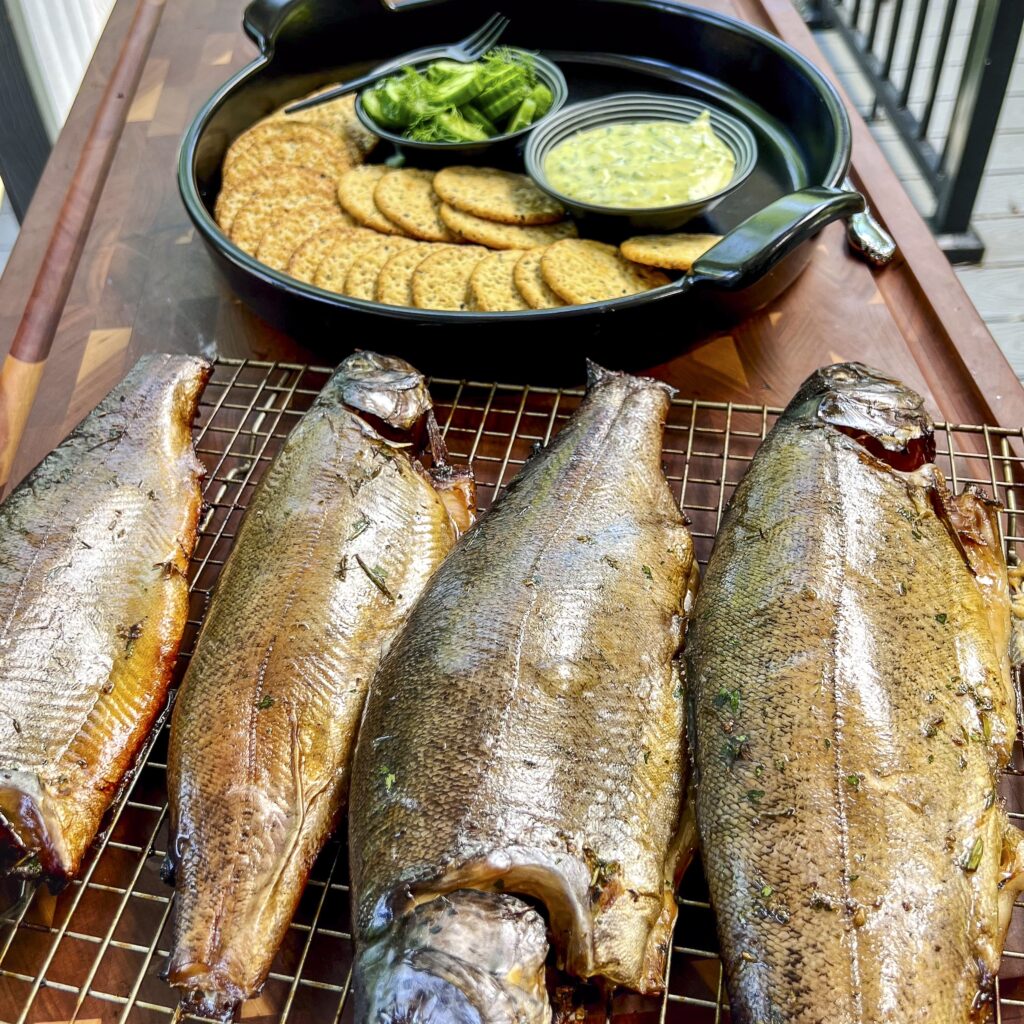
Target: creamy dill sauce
<point x="641" y="163"/>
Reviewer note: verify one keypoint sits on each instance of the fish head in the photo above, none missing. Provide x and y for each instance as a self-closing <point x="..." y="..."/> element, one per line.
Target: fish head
<point x="882" y="413"/>
<point x="465" y="958"/>
<point x="386" y="387"/>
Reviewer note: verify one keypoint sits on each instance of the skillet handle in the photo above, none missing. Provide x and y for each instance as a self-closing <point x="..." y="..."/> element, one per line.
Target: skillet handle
<point x="753" y="248"/>
<point x="263" y="19"/>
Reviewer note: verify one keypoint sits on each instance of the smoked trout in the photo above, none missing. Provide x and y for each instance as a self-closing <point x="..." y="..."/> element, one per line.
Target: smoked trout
<point x="852" y="703"/>
<point x="338" y="540"/>
<point x="524" y="737"/>
<point x="94" y="547"/>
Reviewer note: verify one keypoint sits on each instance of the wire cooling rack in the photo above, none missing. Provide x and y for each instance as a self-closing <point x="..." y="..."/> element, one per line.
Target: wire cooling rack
<point x="93" y="953"/>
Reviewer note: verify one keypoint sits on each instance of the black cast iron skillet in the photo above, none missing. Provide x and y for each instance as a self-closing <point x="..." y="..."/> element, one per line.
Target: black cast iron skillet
<point x="603" y="46"/>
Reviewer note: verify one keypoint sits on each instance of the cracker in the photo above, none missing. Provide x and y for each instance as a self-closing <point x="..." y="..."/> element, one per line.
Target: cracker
<point x="531" y="283"/>
<point x="407" y="198"/>
<point x="297" y="145"/>
<point x="441" y="281"/>
<point x="266" y="209"/>
<point x="492" y="286"/>
<point x="334" y="267"/>
<point x="497" y="195"/>
<point x="285" y="235"/>
<point x="355" y="193"/>
<point x="361" y="279"/>
<point x="674" y="252"/>
<point x="394" y="282"/>
<point x="311" y="253"/>
<point x="582" y="271"/>
<point x="275" y="178"/>
<point x="504" y="236"/>
<point x="339" y="116"/>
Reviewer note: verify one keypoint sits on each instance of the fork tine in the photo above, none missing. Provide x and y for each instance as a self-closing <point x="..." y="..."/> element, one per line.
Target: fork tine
<point x="490" y="37"/>
<point x="473" y="39"/>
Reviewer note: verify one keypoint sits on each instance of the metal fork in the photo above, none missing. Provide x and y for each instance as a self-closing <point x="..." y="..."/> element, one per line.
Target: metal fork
<point x="465" y="51"/>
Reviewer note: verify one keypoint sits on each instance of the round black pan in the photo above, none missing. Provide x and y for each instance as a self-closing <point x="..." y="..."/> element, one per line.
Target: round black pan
<point x="603" y="46"/>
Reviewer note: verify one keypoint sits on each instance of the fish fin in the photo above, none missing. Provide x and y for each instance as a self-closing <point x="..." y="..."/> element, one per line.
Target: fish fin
<point x="31" y="835"/>
<point x="597" y="374"/>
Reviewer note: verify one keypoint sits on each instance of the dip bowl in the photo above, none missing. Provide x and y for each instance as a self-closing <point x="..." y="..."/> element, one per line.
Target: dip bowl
<point x="633" y="107"/>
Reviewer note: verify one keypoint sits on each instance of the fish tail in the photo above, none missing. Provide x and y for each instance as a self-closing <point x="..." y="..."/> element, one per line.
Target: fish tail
<point x="462" y="958"/>
<point x="598" y="375"/>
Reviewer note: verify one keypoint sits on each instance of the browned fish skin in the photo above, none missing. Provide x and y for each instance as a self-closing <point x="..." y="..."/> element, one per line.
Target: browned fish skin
<point x="525" y="733"/>
<point x="338" y="540"/>
<point x="94" y="546"/>
<point x="847" y="666"/>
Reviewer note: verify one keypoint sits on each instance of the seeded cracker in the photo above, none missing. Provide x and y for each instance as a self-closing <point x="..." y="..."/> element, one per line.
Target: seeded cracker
<point x="407" y="198"/>
<point x="441" y="281"/>
<point x="361" y="279"/>
<point x="497" y="195"/>
<point x="284" y="236"/>
<point x="355" y="193"/>
<point x="263" y="212"/>
<point x="276" y="178"/>
<point x="394" y="282"/>
<point x="504" y="236"/>
<point x="307" y="258"/>
<point x="492" y="285"/>
<point x="298" y="145"/>
<point x="674" y="252"/>
<point x="334" y="267"/>
<point x="531" y="283"/>
<point x="582" y="271"/>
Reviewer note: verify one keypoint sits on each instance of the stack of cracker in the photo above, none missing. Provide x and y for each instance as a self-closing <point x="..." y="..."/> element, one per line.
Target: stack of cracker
<point x="298" y="196"/>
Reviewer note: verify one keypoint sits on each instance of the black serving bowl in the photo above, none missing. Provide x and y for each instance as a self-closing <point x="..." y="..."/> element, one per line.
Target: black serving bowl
<point x="633" y="107"/>
<point x="602" y="47"/>
<point x="547" y="71"/>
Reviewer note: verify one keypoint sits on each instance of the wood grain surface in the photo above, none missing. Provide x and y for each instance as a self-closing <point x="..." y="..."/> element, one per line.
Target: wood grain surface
<point x="143" y="281"/>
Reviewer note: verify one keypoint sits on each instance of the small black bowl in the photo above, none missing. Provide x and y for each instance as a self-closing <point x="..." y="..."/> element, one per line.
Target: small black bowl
<point x="547" y="71"/>
<point x="632" y="107"/>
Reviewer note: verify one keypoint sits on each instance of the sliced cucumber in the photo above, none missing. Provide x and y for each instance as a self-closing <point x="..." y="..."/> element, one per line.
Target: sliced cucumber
<point x="457" y="90"/>
<point x="524" y="116"/>
<point x="454" y="127"/>
<point x="381" y="110"/>
<point x="542" y="96"/>
<point x="476" y="116"/>
<point x="505" y="90"/>
<point x="441" y="70"/>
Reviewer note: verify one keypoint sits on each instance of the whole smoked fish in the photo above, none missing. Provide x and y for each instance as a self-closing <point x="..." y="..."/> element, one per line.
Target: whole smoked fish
<point x="847" y="664"/>
<point x="338" y="540"/>
<point x="524" y="737"/>
<point x="94" y="546"/>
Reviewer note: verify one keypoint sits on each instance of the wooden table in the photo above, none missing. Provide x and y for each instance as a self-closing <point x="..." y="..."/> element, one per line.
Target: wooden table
<point x="126" y="272"/>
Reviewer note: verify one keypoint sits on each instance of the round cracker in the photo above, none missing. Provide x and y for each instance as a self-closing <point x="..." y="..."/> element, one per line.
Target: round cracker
<point x="276" y="178"/>
<point x="581" y="271"/>
<point x="361" y="279"/>
<point x="394" y="282"/>
<point x="355" y="193"/>
<point x="492" y="285"/>
<point x="673" y="252"/>
<point x="497" y="195"/>
<point x="441" y="281"/>
<point x="337" y="115"/>
<point x="504" y="236"/>
<point x="334" y="267"/>
<point x="531" y="283"/>
<point x="284" y="236"/>
<point x="297" y="145"/>
<point x="258" y="216"/>
<point x="407" y="197"/>
<point x="311" y="253"/>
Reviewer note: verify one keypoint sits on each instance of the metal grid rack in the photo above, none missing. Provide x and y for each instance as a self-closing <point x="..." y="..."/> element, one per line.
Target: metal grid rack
<point x="93" y="953"/>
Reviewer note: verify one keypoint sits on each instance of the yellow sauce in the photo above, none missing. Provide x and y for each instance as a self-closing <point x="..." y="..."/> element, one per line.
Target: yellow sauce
<point x="641" y="164"/>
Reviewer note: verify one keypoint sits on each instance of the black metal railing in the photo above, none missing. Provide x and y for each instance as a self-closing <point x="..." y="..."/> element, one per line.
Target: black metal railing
<point x="905" y="49"/>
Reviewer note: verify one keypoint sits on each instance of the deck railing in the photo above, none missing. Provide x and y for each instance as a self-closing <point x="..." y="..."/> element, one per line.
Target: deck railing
<point x="903" y="48"/>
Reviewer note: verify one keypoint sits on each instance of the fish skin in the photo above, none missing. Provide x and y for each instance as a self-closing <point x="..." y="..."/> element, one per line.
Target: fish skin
<point x="851" y="704"/>
<point x="339" y="538"/>
<point x="500" y="750"/>
<point x="94" y="548"/>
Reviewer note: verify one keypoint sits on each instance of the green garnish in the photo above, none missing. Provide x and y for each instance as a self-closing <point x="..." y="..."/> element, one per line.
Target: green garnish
<point x="853" y="781"/>
<point x="646" y="570"/>
<point x="266" y="701"/>
<point x="358" y="527"/>
<point x="376" y="577"/>
<point x="755" y="796"/>
<point x="941" y="618"/>
<point x="972" y="860"/>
